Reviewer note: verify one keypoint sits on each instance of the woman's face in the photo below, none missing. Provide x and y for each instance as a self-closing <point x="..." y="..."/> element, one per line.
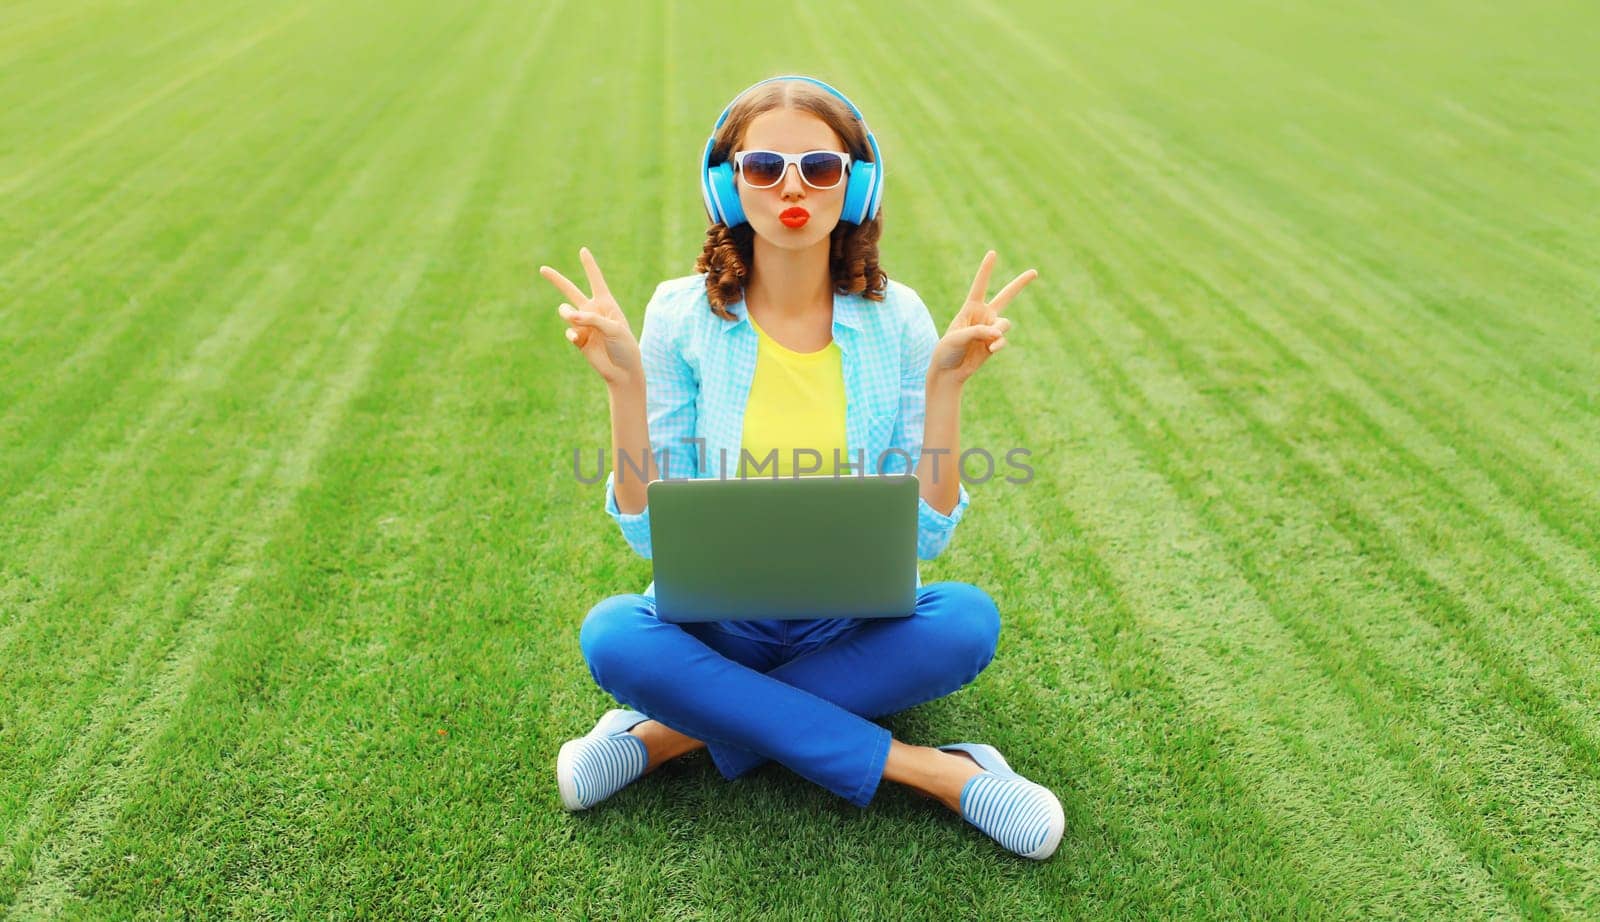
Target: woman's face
<point x="791" y="131"/>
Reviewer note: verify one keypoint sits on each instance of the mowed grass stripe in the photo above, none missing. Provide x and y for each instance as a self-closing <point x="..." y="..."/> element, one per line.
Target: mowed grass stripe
<point x="227" y="266"/>
<point x="18" y="14"/>
<point x="670" y="89"/>
<point x="1555" y="569"/>
<point x="44" y="247"/>
<point x="1539" y="379"/>
<point x="93" y="502"/>
<point x="1389" y="351"/>
<point x="1544" y="54"/>
<point x="122" y="455"/>
<point x="1399" y="148"/>
<point x="323" y="420"/>
<point x="1349" y="649"/>
<point x="22" y="15"/>
<point x="139" y="663"/>
<point x="1447" y="203"/>
<point x="209" y="136"/>
<point x="1397" y="885"/>
<point x="1491" y="312"/>
<point x="294" y="624"/>
<point x="464" y="173"/>
<point x="250" y="319"/>
<point x="281" y="387"/>
<point x="1252" y="222"/>
<point x="29" y="29"/>
<point x="1442" y="612"/>
<point x="106" y="127"/>
<point x="1336" y="412"/>
<point x="1384" y="85"/>
<point x="1141" y="242"/>
<point x="345" y="207"/>
<point x="121" y="52"/>
<point x="1550" y="54"/>
<point x="1257" y="222"/>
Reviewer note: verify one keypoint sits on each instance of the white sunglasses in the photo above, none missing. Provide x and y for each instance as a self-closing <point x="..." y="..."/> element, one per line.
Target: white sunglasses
<point x="820" y="169"/>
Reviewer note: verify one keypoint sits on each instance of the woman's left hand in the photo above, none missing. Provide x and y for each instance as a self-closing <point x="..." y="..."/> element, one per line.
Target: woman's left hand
<point x="977" y="331"/>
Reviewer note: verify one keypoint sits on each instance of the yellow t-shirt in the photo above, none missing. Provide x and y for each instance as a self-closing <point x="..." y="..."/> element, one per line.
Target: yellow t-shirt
<point x="797" y="400"/>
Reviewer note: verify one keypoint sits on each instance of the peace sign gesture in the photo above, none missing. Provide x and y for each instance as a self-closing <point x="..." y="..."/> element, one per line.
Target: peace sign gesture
<point x="977" y="330"/>
<point x="596" y="325"/>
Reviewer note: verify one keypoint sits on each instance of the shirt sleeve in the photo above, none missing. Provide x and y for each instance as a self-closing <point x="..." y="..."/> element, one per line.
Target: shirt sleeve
<point x="671" y="394"/>
<point x="934" y="528"/>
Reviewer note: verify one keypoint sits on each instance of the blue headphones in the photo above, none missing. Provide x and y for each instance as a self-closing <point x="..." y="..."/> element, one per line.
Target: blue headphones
<point x="863" y="191"/>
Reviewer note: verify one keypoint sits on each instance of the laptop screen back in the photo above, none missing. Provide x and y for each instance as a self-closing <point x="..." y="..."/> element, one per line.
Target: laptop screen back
<point x="807" y="547"/>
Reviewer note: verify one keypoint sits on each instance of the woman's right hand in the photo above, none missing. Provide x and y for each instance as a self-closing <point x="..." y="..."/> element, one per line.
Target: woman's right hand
<point x="597" y="326"/>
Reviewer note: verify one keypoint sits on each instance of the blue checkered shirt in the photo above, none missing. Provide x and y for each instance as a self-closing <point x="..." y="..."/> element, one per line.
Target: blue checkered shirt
<point x="698" y="368"/>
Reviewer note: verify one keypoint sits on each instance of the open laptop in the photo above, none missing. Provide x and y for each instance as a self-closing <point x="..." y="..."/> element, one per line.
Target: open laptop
<point x="784" y="548"/>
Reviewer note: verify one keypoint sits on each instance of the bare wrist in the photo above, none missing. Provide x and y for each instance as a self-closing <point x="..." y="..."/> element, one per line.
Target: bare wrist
<point x="943" y="384"/>
<point x="627" y="389"/>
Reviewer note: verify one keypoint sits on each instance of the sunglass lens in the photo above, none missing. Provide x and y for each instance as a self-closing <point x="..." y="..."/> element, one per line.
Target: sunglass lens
<point x="822" y="170"/>
<point x="762" y="168"/>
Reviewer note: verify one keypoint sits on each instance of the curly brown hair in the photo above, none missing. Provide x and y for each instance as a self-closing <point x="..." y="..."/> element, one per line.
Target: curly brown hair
<point x="853" y="249"/>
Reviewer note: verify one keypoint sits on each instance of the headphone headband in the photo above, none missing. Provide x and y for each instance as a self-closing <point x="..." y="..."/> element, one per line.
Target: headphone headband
<point x="863" y="192"/>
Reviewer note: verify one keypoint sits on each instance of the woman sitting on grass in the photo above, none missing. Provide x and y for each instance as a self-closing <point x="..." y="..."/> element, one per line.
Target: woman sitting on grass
<point x="793" y="337"/>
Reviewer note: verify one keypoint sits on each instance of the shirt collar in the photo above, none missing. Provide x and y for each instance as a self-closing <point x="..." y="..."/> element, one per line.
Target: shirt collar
<point x="846" y="313"/>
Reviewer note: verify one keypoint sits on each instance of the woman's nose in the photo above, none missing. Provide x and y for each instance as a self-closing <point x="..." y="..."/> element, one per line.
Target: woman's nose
<point x="793" y="186"/>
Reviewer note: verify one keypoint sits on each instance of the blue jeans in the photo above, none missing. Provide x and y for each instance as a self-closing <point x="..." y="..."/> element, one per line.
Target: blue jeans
<point x="802" y="693"/>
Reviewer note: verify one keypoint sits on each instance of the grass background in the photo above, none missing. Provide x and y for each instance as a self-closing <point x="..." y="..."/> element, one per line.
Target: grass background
<point x="1302" y="613"/>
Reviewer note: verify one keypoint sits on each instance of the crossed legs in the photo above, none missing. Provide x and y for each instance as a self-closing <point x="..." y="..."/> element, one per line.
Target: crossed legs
<point x="812" y="713"/>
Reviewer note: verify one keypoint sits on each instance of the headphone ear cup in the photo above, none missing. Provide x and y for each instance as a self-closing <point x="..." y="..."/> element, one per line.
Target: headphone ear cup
<point x="860" y="193"/>
<point x="725" y="195"/>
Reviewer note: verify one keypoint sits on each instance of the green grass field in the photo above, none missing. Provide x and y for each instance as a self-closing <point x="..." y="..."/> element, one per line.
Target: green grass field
<point x="1301" y="611"/>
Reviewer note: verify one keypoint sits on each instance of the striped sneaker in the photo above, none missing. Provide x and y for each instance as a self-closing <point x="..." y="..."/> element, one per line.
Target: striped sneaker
<point x="593" y="767"/>
<point x="1019" y="814"/>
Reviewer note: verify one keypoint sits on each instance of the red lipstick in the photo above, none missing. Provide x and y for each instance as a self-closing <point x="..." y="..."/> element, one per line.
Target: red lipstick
<point x="794" y="217"/>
